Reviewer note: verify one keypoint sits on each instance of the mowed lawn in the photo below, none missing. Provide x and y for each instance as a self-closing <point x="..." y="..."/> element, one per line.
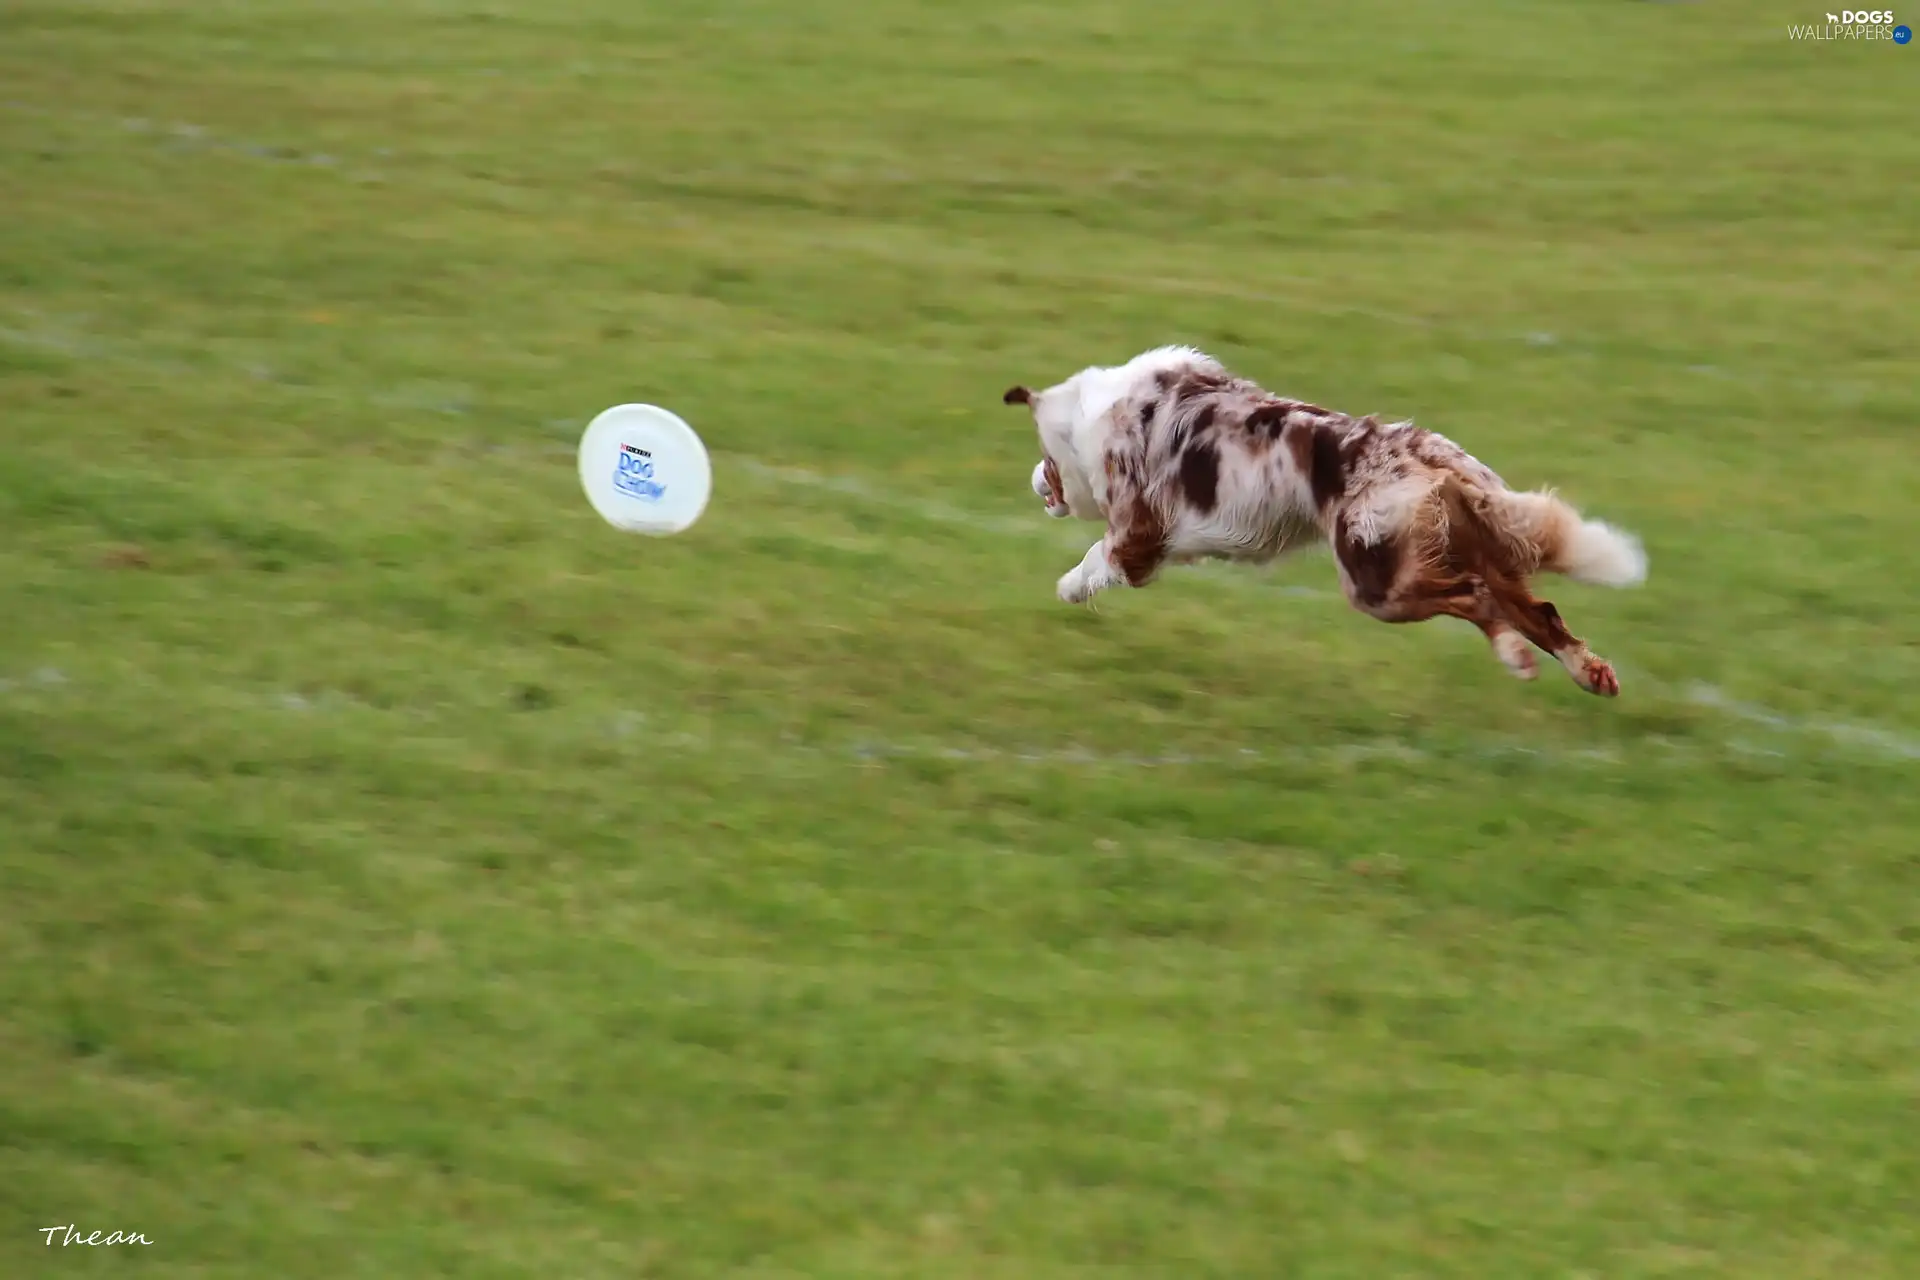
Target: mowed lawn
<point x="403" y="874"/>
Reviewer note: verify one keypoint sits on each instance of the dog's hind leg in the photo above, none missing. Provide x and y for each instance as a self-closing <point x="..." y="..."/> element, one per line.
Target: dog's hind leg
<point x="1380" y="583"/>
<point x="1540" y="622"/>
<point x="1475" y="541"/>
<point x="1469" y="599"/>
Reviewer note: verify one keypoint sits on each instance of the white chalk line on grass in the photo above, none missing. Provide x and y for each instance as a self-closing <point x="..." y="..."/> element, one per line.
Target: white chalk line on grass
<point x="872" y="495"/>
<point x="1077" y="535"/>
<point x="1886" y="742"/>
<point x="178" y="135"/>
<point x="633" y="728"/>
<point x="63" y="339"/>
<point x="40" y="678"/>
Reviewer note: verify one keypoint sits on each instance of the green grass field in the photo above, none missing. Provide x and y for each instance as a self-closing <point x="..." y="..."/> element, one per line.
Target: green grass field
<point x="402" y="874"/>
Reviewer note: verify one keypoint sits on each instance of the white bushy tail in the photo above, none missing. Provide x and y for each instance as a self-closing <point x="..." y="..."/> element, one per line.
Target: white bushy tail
<point x="1552" y="536"/>
<point x="1599" y="553"/>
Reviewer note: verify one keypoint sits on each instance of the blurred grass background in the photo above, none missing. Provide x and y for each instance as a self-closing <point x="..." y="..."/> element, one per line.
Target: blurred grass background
<point x="402" y="874"/>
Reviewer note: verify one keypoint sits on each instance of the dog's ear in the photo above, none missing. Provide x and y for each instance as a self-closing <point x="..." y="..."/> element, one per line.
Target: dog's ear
<point x="1017" y="395"/>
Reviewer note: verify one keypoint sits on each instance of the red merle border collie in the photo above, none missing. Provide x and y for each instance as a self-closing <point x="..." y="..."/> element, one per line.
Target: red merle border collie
<point x="1184" y="461"/>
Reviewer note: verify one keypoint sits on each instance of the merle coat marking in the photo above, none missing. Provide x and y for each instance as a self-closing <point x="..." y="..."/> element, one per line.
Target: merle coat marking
<point x="1183" y="461"/>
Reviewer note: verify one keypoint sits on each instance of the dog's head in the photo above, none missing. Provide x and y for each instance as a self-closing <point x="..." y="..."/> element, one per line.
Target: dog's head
<point x="1076" y="418"/>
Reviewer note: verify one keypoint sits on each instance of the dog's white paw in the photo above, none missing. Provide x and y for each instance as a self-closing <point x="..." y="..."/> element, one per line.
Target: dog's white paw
<point x="1596" y="676"/>
<point x="1512" y="649"/>
<point x="1073" y="588"/>
<point x="1058" y="510"/>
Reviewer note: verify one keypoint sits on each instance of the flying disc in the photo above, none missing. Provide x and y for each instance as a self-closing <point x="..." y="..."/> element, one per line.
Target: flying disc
<point x="645" y="470"/>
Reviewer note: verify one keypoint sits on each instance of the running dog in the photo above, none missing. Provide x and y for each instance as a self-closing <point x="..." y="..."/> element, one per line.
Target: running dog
<point x="1184" y="461"/>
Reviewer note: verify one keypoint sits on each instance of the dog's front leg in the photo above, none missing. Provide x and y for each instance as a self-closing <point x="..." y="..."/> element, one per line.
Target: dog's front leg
<point x="1093" y="574"/>
<point x="1046" y="483"/>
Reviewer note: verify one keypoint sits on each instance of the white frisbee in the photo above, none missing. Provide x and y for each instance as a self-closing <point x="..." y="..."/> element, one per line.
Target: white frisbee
<point x="644" y="470"/>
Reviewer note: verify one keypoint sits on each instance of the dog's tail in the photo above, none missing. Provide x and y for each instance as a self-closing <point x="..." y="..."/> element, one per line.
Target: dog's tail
<point x="1542" y="532"/>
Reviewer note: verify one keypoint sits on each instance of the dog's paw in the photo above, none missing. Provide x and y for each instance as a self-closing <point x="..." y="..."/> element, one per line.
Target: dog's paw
<point x="1045" y="487"/>
<point x="1596" y="677"/>
<point x="1072" y="588"/>
<point x="1512" y="649"/>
